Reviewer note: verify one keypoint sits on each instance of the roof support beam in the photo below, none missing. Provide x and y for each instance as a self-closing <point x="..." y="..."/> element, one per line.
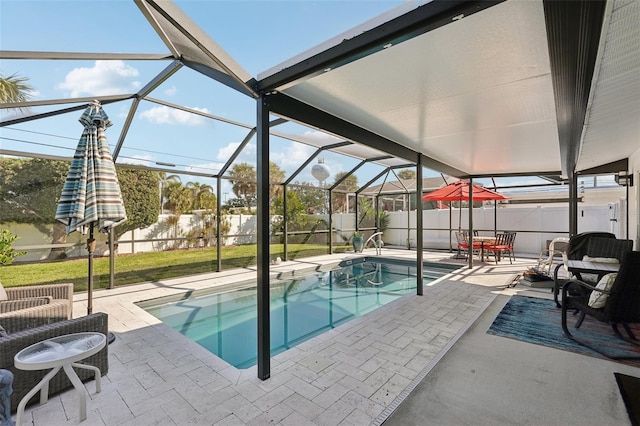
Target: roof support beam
<point x="237" y="152"/>
<point x="346" y="175"/>
<point x="378" y="176"/>
<point x="387" y="170"/>
<point x="311" y="158"/>
<point x="82" y="56"/>
<point x="573" y="34"/>
<point x="614" y="167"/>
<point x="262" y="216"/>
<point x="83" y="106"/>
<point x="418" y="21"/>
<point x="298" y="111"/>
<point x="419" y="230"/>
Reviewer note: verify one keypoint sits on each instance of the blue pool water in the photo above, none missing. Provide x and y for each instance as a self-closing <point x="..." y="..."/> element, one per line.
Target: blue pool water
<point x="225" y="323"/>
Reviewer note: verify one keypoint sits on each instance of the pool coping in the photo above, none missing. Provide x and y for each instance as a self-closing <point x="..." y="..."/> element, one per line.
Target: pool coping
<point x="328" y="374"/>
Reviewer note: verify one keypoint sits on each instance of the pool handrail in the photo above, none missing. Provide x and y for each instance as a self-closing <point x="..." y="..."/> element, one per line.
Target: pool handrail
<point x="377" y="243"/>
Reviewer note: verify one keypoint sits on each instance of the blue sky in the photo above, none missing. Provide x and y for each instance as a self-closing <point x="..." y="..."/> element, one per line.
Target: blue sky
<point x="257" y="34"/>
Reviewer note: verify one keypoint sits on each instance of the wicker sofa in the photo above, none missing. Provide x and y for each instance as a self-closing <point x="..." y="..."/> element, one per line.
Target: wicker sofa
<point x="24" y="381"/>
<point x="33" y="306"/>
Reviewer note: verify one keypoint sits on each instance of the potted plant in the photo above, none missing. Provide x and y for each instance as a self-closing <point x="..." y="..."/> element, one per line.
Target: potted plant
<point x="358" y="242"/>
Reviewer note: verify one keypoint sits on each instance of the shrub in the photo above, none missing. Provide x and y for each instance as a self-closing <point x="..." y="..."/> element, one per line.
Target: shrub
<point x="7" y="252"/>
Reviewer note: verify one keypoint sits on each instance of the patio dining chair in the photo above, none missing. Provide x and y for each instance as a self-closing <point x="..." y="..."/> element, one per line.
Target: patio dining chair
<point x="463" y="244"/>
<point x="501" y="245"/>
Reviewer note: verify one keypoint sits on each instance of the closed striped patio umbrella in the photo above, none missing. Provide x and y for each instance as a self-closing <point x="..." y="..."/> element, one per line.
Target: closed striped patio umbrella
<point x="91" y="194"/>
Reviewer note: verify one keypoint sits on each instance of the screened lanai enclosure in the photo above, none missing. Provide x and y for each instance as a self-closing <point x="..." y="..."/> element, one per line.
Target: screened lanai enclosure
<point x="221" y="167"/>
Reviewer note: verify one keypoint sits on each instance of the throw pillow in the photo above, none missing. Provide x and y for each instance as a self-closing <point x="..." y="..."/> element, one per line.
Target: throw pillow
<point x="600" y="259"/>
<point x="3" y="293"/>
<point x="597" y="299"/>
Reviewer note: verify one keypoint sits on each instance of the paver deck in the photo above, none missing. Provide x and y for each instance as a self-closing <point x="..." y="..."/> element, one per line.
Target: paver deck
<point x="355" y="374"/>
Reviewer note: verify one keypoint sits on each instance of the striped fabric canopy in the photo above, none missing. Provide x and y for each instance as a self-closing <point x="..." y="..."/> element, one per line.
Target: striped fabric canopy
<point x="91" y="194"/>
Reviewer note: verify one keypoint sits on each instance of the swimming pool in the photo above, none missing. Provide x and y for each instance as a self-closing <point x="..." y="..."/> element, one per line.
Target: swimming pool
<point x="225" y="322"/>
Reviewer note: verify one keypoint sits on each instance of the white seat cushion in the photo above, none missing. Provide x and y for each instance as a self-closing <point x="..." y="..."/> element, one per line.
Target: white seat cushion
<point x="597" y="299"/>
<point x="586" y="258"/>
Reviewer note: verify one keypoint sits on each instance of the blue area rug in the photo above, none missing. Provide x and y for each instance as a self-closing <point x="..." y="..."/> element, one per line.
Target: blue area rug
<point x="535" y="320"/>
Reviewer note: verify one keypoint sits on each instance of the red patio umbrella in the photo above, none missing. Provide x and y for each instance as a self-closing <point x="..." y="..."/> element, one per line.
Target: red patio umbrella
<point x="459" y="191"/>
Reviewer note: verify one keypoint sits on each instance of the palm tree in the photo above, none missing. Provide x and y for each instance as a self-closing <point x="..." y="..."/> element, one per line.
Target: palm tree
<point x="198" y="191"/>
<point x="13" y="89"/>
<point x="164" y="183"/>
<point x="178" y="198"/>
<point x="276" y="177"/>
<point x="243" y="181"/>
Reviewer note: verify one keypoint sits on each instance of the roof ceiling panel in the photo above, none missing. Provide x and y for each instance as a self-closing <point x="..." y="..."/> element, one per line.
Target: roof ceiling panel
<point x="484" y="78"/>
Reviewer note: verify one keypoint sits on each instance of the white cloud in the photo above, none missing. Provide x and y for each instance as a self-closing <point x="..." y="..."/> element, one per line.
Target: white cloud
<point x="170" y="91"/>
<point x="293" y="156"/>
<point x="248" y="153"/>
<point x="166" y="115"/>
<point x="104" y="78"/>
<point x="123" y="111"/>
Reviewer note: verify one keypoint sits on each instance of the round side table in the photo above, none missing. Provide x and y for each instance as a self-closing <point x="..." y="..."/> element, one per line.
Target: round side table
<point x="60" y="352"/>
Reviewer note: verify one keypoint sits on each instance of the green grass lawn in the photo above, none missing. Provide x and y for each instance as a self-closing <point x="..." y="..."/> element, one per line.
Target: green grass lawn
<point x="142" y="267"/>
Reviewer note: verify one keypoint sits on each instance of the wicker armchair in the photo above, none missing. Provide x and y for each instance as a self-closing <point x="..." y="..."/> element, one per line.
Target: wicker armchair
<point x="24" y="381"/>
<point x="622" y="306"/>
<point x="577" y="248"/>
<point x="33" y="306"/>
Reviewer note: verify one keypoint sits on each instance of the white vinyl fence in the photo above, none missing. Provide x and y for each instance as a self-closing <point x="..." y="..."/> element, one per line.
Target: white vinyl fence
<point x="535" y="226"/>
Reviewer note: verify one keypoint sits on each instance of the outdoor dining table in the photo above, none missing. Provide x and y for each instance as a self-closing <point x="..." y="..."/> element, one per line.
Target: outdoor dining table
<point x="483" y="241"/>
<point x="599" y="268"/>
<point x="578" y="267"/>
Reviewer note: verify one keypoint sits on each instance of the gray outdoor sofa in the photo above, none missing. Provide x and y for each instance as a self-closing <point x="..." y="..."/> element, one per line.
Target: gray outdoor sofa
<point x="32" y="306"/>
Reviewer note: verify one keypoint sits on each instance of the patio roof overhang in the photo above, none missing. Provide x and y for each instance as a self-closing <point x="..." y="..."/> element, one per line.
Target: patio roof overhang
<point x="477" y="88"/>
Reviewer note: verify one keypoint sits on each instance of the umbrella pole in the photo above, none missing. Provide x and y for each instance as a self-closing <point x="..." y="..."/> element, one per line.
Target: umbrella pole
<point x="91" y="245"/>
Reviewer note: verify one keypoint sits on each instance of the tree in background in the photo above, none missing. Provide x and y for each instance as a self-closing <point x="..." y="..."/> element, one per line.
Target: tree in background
<point x="14" y="89"/>
<point x="243" y="181"/>
<point x="141" y="195"/>
<point x="276" y="177"/>
<point x="202" y="196"/>
<point x="339" y="199"/>
<point x="29" y="192"/>
<point x="178" y="198"/>
<point x="164" y="183"/>
<point x="30" y="188"/>
<point x="178" y="201"/>
<point x="407" y="174"/>
<point x="315" y="199"/>
<point x="295" y="217"/>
